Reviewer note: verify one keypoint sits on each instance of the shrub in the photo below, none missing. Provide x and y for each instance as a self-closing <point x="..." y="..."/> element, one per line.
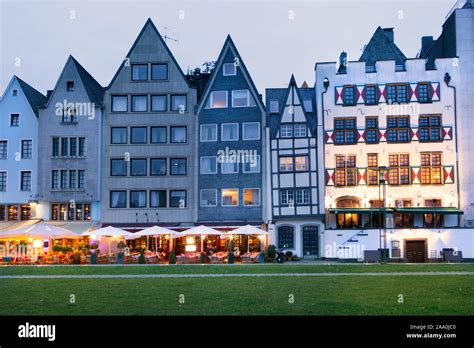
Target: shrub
<point x="203" y="258"/>
<point x="121" y="245"/>
<point x="231" y="257"/>
<point x="288" y="255"/>
<point x="57" y="248"/>
<point x="271" y="252"/>
<point x="76" y="258"/>
<point x="67" y="249"/>
<point x="172" y="258"/>
<point x="141" y="258"/>
<point x="261" y="257"/>
<point x="296" y="258"/>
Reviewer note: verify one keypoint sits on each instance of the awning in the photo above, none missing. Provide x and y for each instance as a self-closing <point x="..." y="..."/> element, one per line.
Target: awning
<point x="12" y="225"/>
<point x="75" y="226"/>
<point x="358" y="210"/>
<point x="429" y="210"/>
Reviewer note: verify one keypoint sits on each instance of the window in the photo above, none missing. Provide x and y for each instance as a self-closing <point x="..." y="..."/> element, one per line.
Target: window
<point x="398" y="129"/>
<point x="179" y="103"/>
<point x="158" y="135"/>
<point x="72" y="179"/>
<point x="158" y="166"/>
<point x="230" y="197"/>
<point x="349" y="95"/>
<point x="178" y="199"/>
<point x="82" y="179"/>
<point x="345" y="131"/>
<point x="139" y="103"/>
<point x="302" y="196"/>
<point x="119" y="103"/>
<point x="14" y="120"/>
<point x="15" y="92"/>
<point x="301" y="163"/>
<point x="251" y="164"/>
<point x="399" y="171"/>
<point x="286" y="164"/>
<point x="208" y="165"/>
<point x="208" y="132"/>
<point x="369" y="68"/>
<point x="72" y="146"/>
<point x="159" y="103"/>
<point x="26" y="149"/>
<point x="397" y="93"/>
<point x="229" y="166"/>
<point x="82" y="147"/>
<point x="429" y="128"/>
<point x="286" y="237"/>
<point x="286" y="131"/>
<point x="3" y="149"/>
<point x="70" y="86"/>
<point x="371" y="130"/>
<point x="208" y="198"/>
<point x="3" y="182"/>
<point x="138" y="167"/>
<point x="118" y="199"/>
<point x="139" y="72"/>
<point x="300" y="130"/>
<point x="251" y="197"/>
<point x="431" y="168"/>
<point x="274" y="107"/>
<point x="372" y="169"/>
<point x="158" y="199"/>
<point x="69" y="116"/>
<point x="217" y="99"/>
<point x="139" y="135"/>
<point x="230" y="131"/>
<point x="64" y="147"/>
<point x="137" y="199"/>
<point x="178" y="166"/>
<point x="63" y="179"/>
<point x="242" y="98"/>
<point x="308" y="105"/>
<point x="432" y="220"/>
<point x="287" y="197"/>
<point x="370" y="94"/>
<point x="346" y="170"/>
<point x="251" y="131"/>
<point x="229" y="69"/>
<point x="402" y="220"/>
<point x="119" y="135"/>
<point x="424" y="95"/>
<point x="54" y="147"/>
<point x="118" y="167"/>
<point x="12" y="212"/>
<point x="179" y="134"/>
<point x="54" y="179"/>
<point x="25" y="184"/>
<point x="159" y="71"/>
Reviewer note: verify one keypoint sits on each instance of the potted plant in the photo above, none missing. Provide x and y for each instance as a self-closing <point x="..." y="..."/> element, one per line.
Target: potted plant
<point x="271" y="253"/>
<point x="141" y="258"/>
<point x="95" y="252"/>
<point x="172" y="258"/>
<point x="120" y="245"/>
<point x="230" y="250"/>
<point x="261" y="257"/>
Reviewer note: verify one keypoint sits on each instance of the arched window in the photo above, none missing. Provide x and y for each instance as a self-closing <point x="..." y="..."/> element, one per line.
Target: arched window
<point x="286" y="236"/>
<point x="349" y="219"/>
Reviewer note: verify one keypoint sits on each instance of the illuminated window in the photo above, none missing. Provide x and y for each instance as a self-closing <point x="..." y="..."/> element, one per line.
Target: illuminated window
<point x="217" y="99"/>
<point x="230" y="197"/>
<point x="346" y="170"/>
<point x="431" y="168"/>
<point x="399" y="169"/>
<point x="372" y="170"/>
<point x="286" y="164"/>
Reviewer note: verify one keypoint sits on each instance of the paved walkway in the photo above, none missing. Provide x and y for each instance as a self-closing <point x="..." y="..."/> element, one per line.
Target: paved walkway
<point x="233" y="275"/>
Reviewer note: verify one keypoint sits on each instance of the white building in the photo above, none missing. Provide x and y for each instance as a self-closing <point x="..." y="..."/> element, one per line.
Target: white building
<point x="389" y="125"/>
<point x="19" y="151"/>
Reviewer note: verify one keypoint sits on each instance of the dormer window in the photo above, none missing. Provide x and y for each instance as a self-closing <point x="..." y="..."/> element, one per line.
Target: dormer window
<point x="15" y="92"/>
<point x="229" y="69"/>
<point x="70" y="86"/>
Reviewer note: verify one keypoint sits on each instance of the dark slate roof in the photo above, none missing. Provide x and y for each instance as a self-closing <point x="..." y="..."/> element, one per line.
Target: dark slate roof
<point x="35" y="98"/>
<point x="381" y="47"/>
<point x="281" y="94"/>
<point x="93" y="89"/>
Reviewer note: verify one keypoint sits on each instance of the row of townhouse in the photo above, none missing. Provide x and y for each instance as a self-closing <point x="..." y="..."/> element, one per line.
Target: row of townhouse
<point x="375" y="156"/>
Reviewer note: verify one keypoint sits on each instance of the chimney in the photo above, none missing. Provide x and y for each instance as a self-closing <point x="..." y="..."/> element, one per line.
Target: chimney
<point x="342" y="63"/>
<point x="389" y="33"/>
<point x="426" y="43"/>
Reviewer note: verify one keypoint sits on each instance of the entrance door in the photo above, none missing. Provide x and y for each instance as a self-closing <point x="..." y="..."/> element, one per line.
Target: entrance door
<point x="310" y="241"/>
<point x="415" y="250"/>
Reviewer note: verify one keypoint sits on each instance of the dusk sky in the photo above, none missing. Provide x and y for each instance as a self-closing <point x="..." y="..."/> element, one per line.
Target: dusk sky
<point x="275" y="38"/>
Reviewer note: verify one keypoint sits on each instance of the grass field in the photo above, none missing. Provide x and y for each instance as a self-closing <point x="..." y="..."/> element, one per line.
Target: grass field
<point x="329" y="295"/>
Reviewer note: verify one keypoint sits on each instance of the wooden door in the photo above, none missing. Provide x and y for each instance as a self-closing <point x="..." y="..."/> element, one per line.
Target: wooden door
<point x="415" y="250"/>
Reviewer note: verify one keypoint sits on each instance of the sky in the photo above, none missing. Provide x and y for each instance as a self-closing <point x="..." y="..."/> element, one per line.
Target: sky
<point x="274" y="38"/>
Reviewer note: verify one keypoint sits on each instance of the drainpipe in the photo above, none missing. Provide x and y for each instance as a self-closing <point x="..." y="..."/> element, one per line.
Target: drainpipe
<point x="447" y="80"/>
<point x="326" y="86"/>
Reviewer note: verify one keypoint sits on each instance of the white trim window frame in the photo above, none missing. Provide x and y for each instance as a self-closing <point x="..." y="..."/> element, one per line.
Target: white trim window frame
<point x="224" y="69"/>
<point x="259" y="197"/>
<point x="229" y="124"/>
<point x="249" y="100"/>
<point x="251" y="171"/>
<point x="229" y="205"/>
<point x="300" y="130"/>
<point x="286" y="130"/>
<point x="234" y="165"/>
<point x="214" y="125"/>
<point x="201" y="200"/>
<point x="210" y="100"/>
<point x="247" y="124"/>
<point x="201" y="165"/>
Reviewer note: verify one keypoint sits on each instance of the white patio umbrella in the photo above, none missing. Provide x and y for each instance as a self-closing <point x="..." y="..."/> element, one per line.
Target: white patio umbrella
<point x="248" y="230"/>
<point x="155" y="231"/>
<point x="199" y="231"/>
<point x="40" y="230"/>
<point x="110" y="231"/>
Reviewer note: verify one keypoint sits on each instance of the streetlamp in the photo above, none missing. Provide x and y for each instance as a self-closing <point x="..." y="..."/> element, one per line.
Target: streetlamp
<point x="382" y="222"/>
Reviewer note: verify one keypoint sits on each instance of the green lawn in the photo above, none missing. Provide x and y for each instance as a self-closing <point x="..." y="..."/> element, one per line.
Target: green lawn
<point x="338" y="295"/>
<point x="267" y="268"/>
